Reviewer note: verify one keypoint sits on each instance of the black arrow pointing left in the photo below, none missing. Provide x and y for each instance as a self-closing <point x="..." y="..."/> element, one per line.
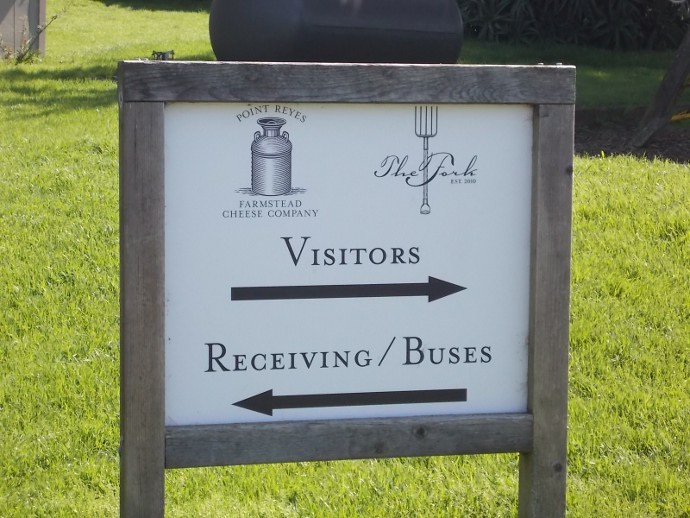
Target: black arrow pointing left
<point x="266" y="402"/>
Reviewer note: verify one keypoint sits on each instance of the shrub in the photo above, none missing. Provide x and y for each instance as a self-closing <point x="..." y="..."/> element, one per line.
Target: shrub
<point x="612" y="24"/>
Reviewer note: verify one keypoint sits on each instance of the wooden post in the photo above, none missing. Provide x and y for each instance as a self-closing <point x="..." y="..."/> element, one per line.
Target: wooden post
<point x="543" y="470"/>
<point x="142" y="454"/>
<point x="660" y="111"/>
<point x="41" y="20"/>
<point x="20" y="20"/>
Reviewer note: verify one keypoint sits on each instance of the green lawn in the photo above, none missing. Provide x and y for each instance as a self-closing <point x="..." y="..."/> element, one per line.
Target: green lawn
<point x="604" y="78"/>
<point x="629" y="451"/>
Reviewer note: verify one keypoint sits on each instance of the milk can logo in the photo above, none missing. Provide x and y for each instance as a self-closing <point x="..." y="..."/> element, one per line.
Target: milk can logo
<point x="434" y="164"/>
<point x="271" y="166"/>
<point x="271" y="158"/>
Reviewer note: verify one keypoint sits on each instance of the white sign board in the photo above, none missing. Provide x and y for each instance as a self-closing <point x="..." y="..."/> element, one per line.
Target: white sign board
<point x="301" y="242"/>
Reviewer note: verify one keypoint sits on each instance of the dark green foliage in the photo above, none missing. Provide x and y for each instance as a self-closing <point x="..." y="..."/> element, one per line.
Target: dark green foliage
<point x="612" y="24"/>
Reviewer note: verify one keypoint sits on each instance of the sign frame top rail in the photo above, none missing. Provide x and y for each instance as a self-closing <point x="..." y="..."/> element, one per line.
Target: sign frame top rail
<point x="179" y="81"/>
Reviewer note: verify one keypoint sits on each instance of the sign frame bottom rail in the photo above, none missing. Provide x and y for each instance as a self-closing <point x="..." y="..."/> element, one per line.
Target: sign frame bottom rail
<point x="303" y="441"/>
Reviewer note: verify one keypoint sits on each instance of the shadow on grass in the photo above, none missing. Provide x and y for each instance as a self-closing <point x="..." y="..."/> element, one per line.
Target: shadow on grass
<point x="53" y="91"/>
<point x="610" y="131"/>
<point x="163" y="5"/>
<point x="61" y="73"/>
<point x="57" y="89"/>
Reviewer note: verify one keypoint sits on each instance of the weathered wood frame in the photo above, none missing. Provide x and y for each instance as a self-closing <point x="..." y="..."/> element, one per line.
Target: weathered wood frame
<point x="149" y="447"/>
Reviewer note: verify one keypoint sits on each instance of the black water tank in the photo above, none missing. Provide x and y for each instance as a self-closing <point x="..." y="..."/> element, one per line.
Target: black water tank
<point x="336" y="31"/>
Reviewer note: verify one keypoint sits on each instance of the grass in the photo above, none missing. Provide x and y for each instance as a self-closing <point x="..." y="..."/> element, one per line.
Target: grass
<point x="629" y="452"/>
<point x="605" y="78"/>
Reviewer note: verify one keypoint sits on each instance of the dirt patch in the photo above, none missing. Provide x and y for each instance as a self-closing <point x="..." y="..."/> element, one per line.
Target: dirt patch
<point x="611" y="131"/>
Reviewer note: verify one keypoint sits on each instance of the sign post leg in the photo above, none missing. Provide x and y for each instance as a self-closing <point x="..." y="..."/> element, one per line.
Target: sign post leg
<point x="543" y="470"/>
<point x="142" y="426"/>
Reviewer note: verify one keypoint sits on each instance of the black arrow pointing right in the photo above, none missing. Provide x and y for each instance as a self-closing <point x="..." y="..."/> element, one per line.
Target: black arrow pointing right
<point x="434" y="289"/>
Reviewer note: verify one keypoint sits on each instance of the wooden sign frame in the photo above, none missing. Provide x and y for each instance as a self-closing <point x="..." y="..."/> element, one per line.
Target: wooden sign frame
<point x="149" y="447"/>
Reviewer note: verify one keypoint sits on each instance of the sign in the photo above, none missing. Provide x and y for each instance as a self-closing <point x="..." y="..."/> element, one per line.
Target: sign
<point x="361" y="256"/>
<point x="344" y="261"/>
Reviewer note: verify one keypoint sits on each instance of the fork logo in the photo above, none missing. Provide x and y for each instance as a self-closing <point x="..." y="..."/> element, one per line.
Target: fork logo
<point x="433" y="165"/>
<point x="426" y="127"/>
